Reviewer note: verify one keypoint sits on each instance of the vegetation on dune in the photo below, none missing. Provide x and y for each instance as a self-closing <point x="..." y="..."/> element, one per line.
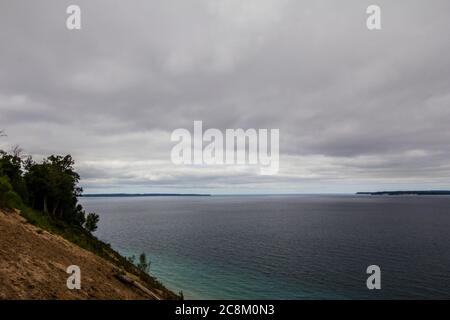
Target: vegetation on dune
<point x="8" y="198"/>
<point x="50" y="187"/>
<point x="47" y="193"/>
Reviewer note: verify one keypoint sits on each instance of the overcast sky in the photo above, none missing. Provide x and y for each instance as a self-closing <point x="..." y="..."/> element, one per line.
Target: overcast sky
<point x="357" y="109"/>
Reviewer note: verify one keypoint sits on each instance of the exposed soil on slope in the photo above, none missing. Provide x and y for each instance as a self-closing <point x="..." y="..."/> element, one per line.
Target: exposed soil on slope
<point x="33" y="265"/>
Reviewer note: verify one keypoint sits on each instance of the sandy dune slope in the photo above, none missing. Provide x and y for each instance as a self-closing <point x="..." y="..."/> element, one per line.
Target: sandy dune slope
<point x="33" y="265"/>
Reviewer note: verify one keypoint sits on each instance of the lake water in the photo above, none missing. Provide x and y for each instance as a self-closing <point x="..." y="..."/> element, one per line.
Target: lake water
<point x="285" y="247"/>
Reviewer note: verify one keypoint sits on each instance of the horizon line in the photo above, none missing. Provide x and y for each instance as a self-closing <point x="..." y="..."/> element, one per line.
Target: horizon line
<point x="165" y="194"/>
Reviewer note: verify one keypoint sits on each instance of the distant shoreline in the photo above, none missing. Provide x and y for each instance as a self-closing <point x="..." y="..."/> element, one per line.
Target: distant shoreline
<point x="127" y="195"/>
<point x="377" y="193"/>
<point x="403" y="193"/>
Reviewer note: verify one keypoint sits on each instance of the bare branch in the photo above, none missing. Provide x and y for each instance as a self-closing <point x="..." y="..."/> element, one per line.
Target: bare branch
<point x="17" y="151"/>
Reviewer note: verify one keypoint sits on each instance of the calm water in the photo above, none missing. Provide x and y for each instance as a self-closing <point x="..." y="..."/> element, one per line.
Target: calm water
<point x="285" y="247"/>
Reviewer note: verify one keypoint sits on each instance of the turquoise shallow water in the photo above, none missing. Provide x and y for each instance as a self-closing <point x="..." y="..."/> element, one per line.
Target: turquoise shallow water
<point x="285" y="247"/>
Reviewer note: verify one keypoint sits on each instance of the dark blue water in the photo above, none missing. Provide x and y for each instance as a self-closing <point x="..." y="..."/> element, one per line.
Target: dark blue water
<point x="285" y="247"/>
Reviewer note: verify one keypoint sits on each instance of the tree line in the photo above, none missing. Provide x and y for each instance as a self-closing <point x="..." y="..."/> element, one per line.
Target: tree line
<point x="50" y="186"/>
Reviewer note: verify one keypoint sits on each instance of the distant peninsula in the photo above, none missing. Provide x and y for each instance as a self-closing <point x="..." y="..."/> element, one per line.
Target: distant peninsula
<point x="407" y="193"/>
<point x="124" y="195"/>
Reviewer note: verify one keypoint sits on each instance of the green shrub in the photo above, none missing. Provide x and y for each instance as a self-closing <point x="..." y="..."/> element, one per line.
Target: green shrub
<point x="8" y="198"/>
<point x="92" y="220"/>
<point x="13" y="200"/>
<point x="5" y="187"/>
<point x="143" y="264"/>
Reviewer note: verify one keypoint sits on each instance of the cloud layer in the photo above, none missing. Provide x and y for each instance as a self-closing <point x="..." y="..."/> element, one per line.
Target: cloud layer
<point x="356" y="109"/>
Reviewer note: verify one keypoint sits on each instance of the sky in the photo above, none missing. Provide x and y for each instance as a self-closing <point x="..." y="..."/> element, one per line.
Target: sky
<point x="357" y="110"/>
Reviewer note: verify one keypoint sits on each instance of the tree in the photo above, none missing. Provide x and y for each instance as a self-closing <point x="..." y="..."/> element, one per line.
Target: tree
<point x="11" y="166"/>
<point x="50" y="186"/>
<point x="92" y="220"/>
<point x="16" y="151"/>
<point x="143" y="264"/>
<point x="39" y="185"/>
<point x="53" y="187"/>
<point x="8" y="198"/>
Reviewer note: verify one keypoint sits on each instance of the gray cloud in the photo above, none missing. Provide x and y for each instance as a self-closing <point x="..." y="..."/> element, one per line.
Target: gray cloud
<point x="355" y="109"/>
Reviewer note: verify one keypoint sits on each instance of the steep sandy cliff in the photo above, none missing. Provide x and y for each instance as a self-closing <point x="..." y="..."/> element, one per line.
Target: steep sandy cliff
<point x="33" y="265"/>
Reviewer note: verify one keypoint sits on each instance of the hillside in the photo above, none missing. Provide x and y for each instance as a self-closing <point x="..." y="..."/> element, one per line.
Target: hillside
<point x="33" y="265"/>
